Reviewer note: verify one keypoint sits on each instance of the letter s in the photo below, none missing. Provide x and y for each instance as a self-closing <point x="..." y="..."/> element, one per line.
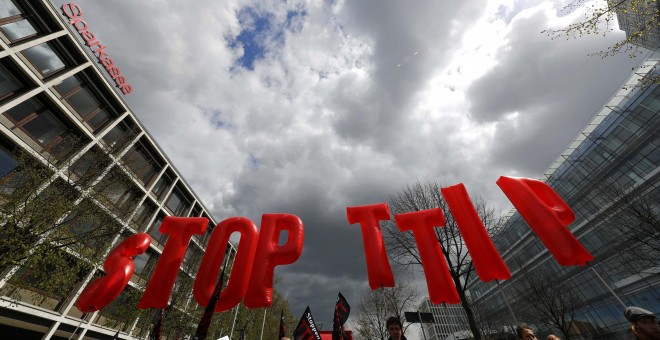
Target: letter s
<point x="119" y="267"/>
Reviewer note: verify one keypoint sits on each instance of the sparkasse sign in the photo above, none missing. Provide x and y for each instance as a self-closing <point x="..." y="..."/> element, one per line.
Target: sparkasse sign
<point x="75" y="15"/>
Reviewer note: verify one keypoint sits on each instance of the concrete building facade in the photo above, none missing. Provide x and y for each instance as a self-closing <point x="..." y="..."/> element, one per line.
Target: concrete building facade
<point x="61" y="112"/>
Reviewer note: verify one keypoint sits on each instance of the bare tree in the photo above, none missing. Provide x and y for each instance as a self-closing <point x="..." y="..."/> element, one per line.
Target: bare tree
<point x="548" y="299"/>
<point x="634" y="217"/>
<point x="377" y="306"/>
<point x="402" y="247"/>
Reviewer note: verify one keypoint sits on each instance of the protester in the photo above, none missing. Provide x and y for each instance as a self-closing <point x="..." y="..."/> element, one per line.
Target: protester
<point x="525" y="332"/>
<point x="552" y="337"/>
<point x="395" y="329"/>
<point x="643" y="323"/>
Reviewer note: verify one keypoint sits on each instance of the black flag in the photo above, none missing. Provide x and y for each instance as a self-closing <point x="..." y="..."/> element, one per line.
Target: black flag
<point x="158" y="325"/>
<point x="342" y="309"/>
<point x="205" y="322"/>
<point x="282" y="326"/>
<point x="306" y="328"/>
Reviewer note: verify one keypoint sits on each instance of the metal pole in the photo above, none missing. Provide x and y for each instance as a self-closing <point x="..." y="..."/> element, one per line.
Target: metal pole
<point x="506" y="301"/>
<point x="421" y="324"/>
<point x="75" y="330"/>
<point x="231" y="333"/>
<point x="606" y="285"/>
<point x="263" y="323"/>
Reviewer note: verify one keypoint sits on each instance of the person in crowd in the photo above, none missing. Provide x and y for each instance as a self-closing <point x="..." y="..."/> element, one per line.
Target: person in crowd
<point x="395" y="329"/>
<point x="552" y="337"/>
<point x="643" y="323"/>
<point x="525" y="332"/>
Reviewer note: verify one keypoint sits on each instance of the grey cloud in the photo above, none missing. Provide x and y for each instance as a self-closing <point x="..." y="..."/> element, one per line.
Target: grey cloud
<point x="553" y="87"/>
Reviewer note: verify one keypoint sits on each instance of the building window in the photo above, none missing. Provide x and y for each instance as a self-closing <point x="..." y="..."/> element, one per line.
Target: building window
<point x="178" y="204"/>
<point x="85" y="101"/>
<point x="145" y="264"/>
<point x="154" y="231"/>
<point x="141" y="163"/>
<point x="161" y="187"/>
<point x="8" y="162"/>
<point x="10" y="84"/>
<point x="143" y="214"/>
<point x="90" y="165"/>
<point x="44" y="58"/>
<point x="39" y="122"/>
<point x="15" y="24"/>
<point x="118" y="136"/>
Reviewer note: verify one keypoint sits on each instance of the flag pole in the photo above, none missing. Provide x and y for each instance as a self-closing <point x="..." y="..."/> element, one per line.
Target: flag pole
<point x="231" y="333"/>
<point x="263" y="323"/>
<point x="506" y="301"/>
<point x="606" y="285"/>
<point x="207" y="317"/>
<point x="75" y="330"/>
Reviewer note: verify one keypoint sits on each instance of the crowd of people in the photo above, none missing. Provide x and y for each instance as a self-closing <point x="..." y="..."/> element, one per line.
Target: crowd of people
<point x="643" y="326"/>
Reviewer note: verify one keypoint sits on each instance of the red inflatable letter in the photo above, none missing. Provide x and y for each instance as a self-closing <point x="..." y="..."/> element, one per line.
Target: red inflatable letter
<point x="487" y="261"/>
<point x="207" y="275"/>
<point x="269" y="255"/>
<point x="180" y="230"/>
<point x="119" y="268"/>
<point x="548" y="216"/>
<point x="378" y="268"/>
<point x="438" y="280"/>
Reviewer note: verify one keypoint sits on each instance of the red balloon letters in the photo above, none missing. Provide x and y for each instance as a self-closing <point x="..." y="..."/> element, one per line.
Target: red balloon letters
<point x="541" y="207"/>
<point x="119" y="268"/>
<point x="258" y="253"/>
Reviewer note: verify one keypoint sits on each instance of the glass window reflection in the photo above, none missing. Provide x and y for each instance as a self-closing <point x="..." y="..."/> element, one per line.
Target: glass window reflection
<point x="18" y="30"/>
<point x="44" y="59"/>
<point x="8" y="9"/>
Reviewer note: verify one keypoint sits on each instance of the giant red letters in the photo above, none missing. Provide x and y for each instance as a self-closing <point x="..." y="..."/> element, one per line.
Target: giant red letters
<point x="548" y="216"/>
<point x="179" y="231"/>
<point x="258" y="254"/>
<point x="438" y="281"/>
<point x="487" y="261"/>
<point x="378" y="268"/>
<point x="207" y="275"/>
<point x="119" y="268"/>
<point x="269" y="255"/>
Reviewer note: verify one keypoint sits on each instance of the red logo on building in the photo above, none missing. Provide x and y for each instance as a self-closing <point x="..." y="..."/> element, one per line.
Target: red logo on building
<point x="75" y="15"/>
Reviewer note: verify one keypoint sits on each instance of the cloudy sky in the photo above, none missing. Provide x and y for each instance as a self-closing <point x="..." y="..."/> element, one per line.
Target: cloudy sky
<point x="309" y="107"/>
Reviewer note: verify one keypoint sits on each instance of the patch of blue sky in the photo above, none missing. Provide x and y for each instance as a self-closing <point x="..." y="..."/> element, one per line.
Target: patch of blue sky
<point x="254" y="162"/>
<point x="260" y="31"/>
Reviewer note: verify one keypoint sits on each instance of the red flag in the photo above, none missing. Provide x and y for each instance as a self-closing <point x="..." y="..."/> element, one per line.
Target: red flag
<point x="342" y="310"/>
<point x="205" y="322"/>
<point x="306" y="328"/>
<point x="282" y="326"/>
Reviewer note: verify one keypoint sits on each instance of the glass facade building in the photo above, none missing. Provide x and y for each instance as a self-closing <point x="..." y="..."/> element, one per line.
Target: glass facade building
<point x="610" y="176"/>
<point x="61" y="119"/>
<point x="639" y="16"/>
<point x="449" y="321"/>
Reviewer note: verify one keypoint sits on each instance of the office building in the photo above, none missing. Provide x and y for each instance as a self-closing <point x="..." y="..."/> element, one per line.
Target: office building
<point x="639" y="18"/>
<point x="610" y="176"/>
<point x="68" y="141"/>
<point x="449" y="321"/>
